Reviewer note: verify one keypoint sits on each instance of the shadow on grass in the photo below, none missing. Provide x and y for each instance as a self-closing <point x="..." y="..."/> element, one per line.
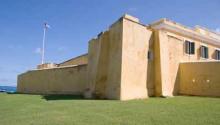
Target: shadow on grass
<point x="56" y="97"/>
<point x="12" y="92"/>
<point x="52" y="97"/>
<point x="68" y="97"/>
<point x="62" y="97"/>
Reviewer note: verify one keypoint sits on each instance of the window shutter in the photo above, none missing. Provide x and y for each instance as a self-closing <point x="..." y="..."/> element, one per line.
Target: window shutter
<point x="206" y="52"/>
<point x="192" y="48"/>
<point x="187" y="47"/>
<point x="218" y="54"/>
<point x="201" y="51"/>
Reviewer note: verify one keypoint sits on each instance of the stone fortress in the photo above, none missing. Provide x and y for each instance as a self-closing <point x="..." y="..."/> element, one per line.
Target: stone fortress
<point x="131" y="60"/>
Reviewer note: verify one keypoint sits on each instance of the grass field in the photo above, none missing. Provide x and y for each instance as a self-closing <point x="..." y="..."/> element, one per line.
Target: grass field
<point x="18" y="109"/>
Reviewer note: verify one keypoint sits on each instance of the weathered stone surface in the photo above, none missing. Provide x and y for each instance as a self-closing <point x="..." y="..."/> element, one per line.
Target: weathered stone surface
<point x="65" y="80"/>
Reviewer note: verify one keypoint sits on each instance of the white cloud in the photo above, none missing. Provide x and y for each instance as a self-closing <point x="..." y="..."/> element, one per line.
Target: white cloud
<point x="62" y="48"/>
<point x="37" y="51"/>
<point x="15" y="46"/>
<point x="217" y="30"/>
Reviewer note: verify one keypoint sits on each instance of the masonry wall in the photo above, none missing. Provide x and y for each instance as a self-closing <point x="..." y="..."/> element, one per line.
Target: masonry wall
<point x="151" y="67"/>
<point x="200" y="78"/>
<point x="157" y="63"/>
<point x="80" y="60"/>
<point x="135" y="47"/>
<point x="170" y="52"/>
<point x="118" y="62"/>
<point x="93" y="56"/>
<point x="68" y="80"/>
<point x="104" y="66"/>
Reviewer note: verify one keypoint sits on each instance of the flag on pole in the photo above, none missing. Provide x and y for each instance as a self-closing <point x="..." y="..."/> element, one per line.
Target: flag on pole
<point x="46" y="25"/>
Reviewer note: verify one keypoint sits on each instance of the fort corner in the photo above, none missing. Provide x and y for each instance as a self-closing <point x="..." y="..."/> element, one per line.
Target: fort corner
<point x="135" y="61"/>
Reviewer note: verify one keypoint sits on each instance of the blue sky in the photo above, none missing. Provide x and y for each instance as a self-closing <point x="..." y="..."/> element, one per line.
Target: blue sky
<point x="74" y="22"/>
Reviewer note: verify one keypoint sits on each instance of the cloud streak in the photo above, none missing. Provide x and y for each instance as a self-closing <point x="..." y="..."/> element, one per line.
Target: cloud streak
<point x="62" y="48"/>
<point x="15" y="46"/>
<point x="3" y="80"/>
<point x="217" y="30"/>
<point x="37" y="51"/>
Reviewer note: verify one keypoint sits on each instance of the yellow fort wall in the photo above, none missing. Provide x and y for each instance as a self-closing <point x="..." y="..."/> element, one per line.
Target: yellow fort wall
<point x="135" y="47"/>
<point x="80" y="60"/>
<point x="118" y="61"/>
<point x="169" y="53"/>
<point x="66" y="80"/>
<point x="200" y="78"/>
<point x="104" y="65"/>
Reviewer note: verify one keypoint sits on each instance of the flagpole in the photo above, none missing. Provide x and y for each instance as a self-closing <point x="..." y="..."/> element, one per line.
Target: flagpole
<point x="43" y="46"/>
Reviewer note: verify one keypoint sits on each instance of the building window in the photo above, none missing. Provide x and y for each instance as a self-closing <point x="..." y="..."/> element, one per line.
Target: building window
<point x="217" y="54"/>
<point x="204" y="52"/>
<point x="189" y="47"/>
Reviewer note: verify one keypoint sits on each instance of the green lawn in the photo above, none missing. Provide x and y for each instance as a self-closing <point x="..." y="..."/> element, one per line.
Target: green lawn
<point x="18" y="109"/>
